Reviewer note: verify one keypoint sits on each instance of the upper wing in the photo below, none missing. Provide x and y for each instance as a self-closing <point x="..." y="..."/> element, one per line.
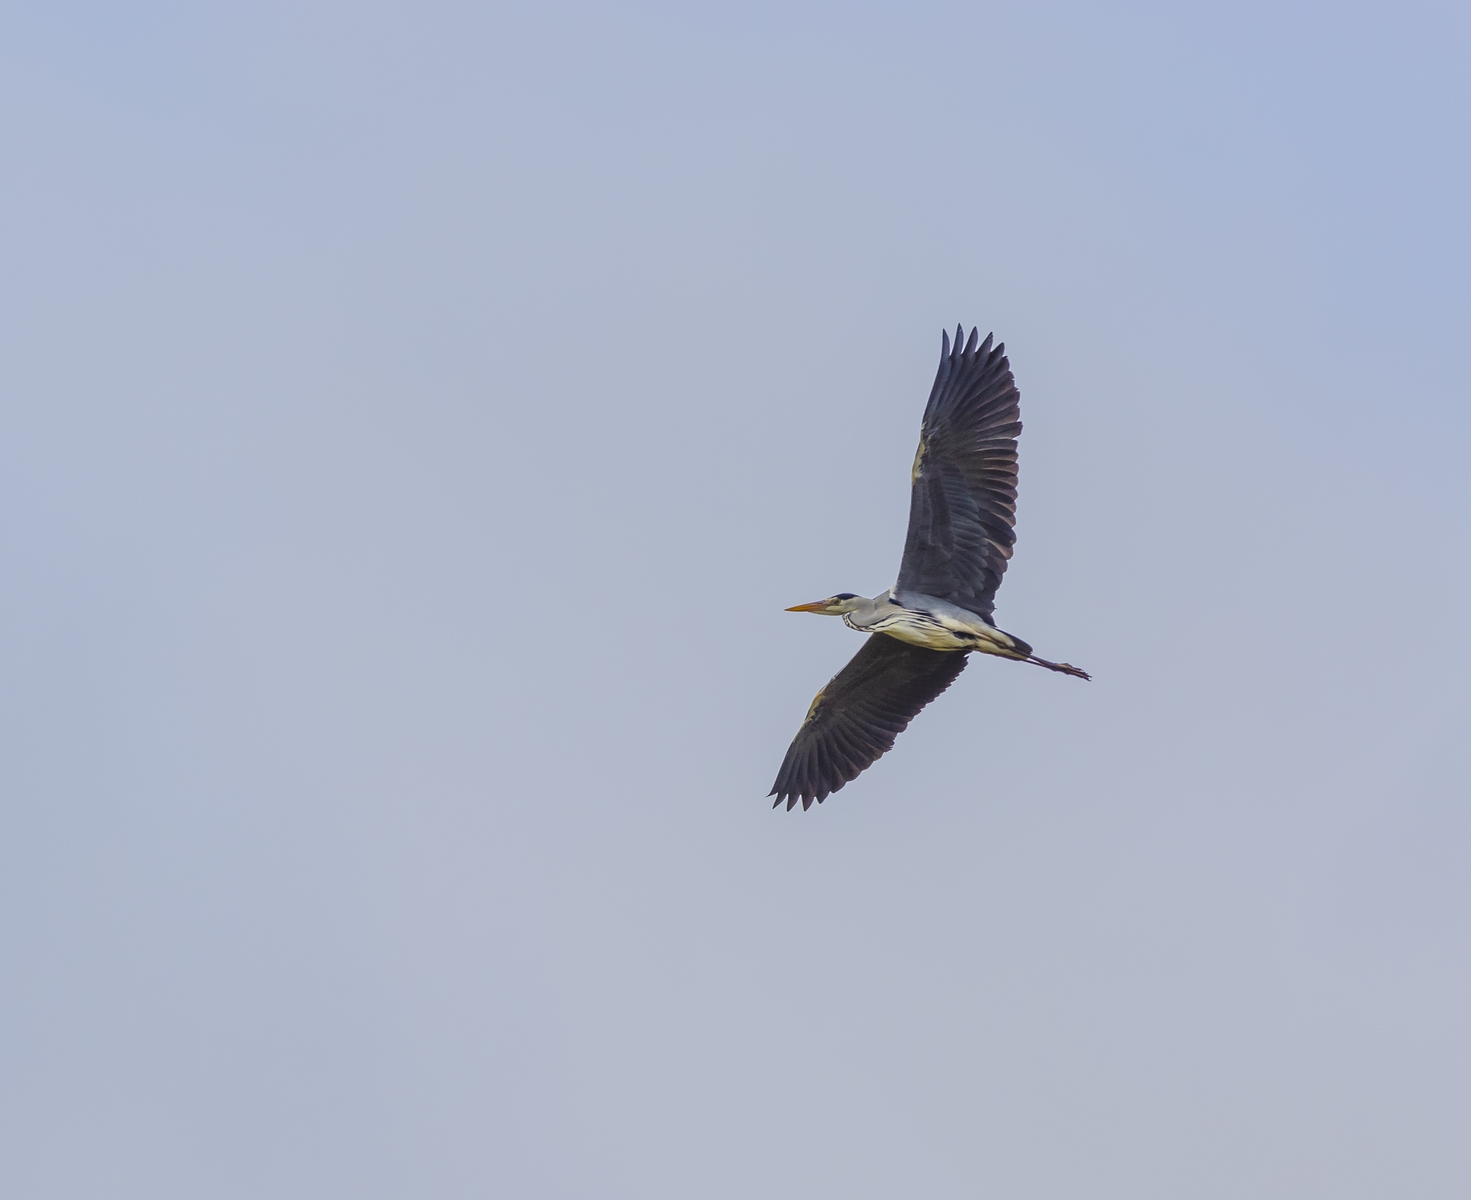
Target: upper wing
<point x="856" y="718"/>
<point x="963" y="503"/>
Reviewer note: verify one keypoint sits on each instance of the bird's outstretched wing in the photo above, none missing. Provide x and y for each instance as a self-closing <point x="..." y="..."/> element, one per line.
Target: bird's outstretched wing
<point x="962" y="506"/>
<point x="856" y="718"/>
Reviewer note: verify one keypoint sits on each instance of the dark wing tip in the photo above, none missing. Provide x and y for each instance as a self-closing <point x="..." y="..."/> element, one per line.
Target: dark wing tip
<point x="973" y="347"/>
<point x="793" y="785"/>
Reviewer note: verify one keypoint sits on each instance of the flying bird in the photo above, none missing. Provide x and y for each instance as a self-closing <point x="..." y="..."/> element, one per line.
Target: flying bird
<point x="962" y="510"/>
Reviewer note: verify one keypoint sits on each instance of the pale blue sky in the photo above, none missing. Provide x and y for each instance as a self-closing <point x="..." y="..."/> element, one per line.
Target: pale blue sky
<point x="413" y="420"/>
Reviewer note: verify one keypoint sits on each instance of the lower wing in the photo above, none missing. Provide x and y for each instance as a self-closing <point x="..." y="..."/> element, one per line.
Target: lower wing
<point x="854" y="720"/>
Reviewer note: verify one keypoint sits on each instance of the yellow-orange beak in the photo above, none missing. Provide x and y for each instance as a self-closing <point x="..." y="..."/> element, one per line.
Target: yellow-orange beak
<point x="816" y="606"/>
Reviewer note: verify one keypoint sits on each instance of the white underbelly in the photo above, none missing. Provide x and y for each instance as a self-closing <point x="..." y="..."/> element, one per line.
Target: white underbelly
<point x="938" y="631"/>
<point x="930" y="638"/>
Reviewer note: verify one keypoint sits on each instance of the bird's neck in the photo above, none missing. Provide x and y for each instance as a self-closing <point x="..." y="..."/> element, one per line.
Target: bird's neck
<point x="865" y="612"/>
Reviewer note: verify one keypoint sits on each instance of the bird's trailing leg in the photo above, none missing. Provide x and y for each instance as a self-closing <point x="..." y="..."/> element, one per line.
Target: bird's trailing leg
<point x="1065" y="668"/>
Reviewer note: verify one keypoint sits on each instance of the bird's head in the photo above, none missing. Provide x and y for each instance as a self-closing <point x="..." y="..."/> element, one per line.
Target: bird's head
<point x="833" y="606"/>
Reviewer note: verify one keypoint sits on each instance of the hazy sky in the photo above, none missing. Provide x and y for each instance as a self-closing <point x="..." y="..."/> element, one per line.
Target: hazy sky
<point x="413" y="421"/>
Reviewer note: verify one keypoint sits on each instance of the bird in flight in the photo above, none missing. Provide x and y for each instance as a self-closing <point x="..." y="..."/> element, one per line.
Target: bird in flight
<point x="962" y="510"/>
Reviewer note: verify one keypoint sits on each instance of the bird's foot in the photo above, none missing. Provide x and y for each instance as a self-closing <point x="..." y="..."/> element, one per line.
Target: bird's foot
<point x="1064" y="668"/>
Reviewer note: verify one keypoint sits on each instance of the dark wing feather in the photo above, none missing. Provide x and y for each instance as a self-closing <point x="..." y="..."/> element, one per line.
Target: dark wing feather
<point x="856" y="718"/>
<point x="963" y="503"/>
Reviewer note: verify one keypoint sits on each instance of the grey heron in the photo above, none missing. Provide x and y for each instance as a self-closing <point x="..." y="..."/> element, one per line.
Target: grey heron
<point x="962" y="510"/>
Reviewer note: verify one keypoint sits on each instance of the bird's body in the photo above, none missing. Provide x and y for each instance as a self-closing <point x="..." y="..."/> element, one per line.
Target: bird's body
<point x="932" y="623"/>
<point x="961" y="516"/>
